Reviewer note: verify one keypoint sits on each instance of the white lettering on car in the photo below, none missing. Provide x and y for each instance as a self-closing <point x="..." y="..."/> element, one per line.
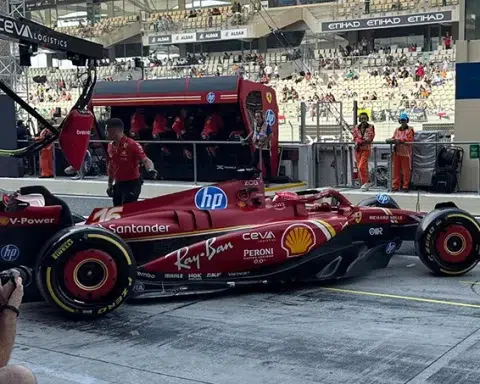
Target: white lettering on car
<point x="132" y="228"/>
<point x="185" y="261"/>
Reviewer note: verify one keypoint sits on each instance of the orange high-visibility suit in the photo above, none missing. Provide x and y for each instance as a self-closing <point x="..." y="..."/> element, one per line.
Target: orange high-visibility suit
<point x="46" y="156"/>
<point x="402" y="157"/>
<point x="363" y="149"/>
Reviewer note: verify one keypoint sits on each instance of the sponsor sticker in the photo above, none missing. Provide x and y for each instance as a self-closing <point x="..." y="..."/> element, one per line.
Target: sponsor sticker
<point x="238" y="274"/>
<point x="10" y="252"/>
<point x="298" y="239"/>
<point x="145" y="275"/>
<point x="375" y="231"/>
<point x="195" y="276"/>
<point x="211" y="198"/>
<point x="390" y="248"/>
<point x="185" y="258"/>
<point x="213" y="275"/>
<point x="173" y="275"/>
<point x="257" y="253"/>
<point x="270" y="117"/>
<point x="140" y="229"/>
<point x="383" y="198"/>
<point x="138" y="287"/>
<point x="211" y="98"/>
<point x="4" y="221"/>
<point x="251" y="183"/>
<point x="261" y="237"/>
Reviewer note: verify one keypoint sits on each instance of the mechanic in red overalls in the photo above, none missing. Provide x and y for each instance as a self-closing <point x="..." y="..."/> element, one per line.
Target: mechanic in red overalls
<point x="160" y="130"/>
<point x="402" y="153"/>
<point x="124" y="156"/>
<point x="137" y="123"/>
<point x="180" y="129"/>
<point x="363" y="135"/>
<point x="213" y="126"/>
<point x="46" y="156"/>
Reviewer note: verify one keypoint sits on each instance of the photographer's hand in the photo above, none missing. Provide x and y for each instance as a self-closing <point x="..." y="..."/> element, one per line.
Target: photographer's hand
<point x="10" y="294"/>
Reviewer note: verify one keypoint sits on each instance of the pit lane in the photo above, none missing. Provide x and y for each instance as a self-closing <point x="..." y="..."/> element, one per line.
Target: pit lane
<point x="398" y="325"/>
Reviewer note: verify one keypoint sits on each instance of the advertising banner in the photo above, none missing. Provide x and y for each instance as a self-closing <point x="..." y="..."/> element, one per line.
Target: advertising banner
<point x="196" y="37"/>
<point x="387" y="21"/>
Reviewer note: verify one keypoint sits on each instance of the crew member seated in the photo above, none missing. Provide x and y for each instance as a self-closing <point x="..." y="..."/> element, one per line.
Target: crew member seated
<point x="211" y="130"/>
<point x="137" y="123"/>
<point x="181" y="127"/>
<point x="161" y="131"/>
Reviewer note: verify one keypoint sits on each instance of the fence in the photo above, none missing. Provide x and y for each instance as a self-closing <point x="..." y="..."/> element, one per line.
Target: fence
<point x="323" y="164"/>
<point x="339" y="158"/>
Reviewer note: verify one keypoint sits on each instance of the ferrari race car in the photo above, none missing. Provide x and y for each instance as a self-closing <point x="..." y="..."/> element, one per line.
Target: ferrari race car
<point x="215" y="238"/>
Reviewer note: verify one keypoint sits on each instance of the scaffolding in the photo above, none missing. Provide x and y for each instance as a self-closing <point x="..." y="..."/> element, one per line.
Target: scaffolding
<point x="11" y="72"/>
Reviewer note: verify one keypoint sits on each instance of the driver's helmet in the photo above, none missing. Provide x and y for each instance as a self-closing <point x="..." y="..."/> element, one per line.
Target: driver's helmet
<point x="283" y="196"/>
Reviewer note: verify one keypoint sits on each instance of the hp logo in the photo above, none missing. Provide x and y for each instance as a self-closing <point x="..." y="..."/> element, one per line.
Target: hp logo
<point x="211" y="198"/>
<point x="383" y="198"/>
<point x="390" y="248"/>
<point x="10" y="252"/>
<point x="270" y="117"/>
<point x="211" y="97"/>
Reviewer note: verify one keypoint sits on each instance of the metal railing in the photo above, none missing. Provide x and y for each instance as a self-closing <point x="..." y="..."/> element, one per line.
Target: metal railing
<point x="340" y="156"/>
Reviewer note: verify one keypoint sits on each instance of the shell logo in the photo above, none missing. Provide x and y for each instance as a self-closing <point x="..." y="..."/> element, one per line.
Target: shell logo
<point x="4" y="221"/>
<point x="298" y="239"/>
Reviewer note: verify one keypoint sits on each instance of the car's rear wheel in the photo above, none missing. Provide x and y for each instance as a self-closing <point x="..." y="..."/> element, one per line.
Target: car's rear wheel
<point x="86" y="271"/>
<point x="383" y="201"/>
<point x="448" y="242"/>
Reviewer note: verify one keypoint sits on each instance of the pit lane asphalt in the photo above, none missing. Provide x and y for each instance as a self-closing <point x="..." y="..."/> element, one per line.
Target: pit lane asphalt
<point x="398" y="325"/>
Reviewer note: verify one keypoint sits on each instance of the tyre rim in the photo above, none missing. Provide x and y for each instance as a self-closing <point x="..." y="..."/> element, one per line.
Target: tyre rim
<point x="455" y="244"/>
<point x="90" y="275"/>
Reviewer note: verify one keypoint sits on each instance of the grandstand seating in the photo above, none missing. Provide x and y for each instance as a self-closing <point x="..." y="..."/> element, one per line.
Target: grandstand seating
<point x="439" y="104"/>
<point x="101" y="28"/>
<point x="177" y="20"/>
<point x="380" y="6"/>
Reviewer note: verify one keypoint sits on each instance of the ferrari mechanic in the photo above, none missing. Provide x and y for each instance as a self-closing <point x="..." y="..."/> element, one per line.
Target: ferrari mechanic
<point x="125" y="154"/>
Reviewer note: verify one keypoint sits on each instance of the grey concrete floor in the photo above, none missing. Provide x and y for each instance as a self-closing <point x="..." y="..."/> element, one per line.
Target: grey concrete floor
<point x="397" y="325"/>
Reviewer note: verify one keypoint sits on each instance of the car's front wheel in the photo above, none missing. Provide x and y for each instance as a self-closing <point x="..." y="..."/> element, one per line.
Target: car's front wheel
<point x="448" y="242"/>
<point x="86" y="271"/>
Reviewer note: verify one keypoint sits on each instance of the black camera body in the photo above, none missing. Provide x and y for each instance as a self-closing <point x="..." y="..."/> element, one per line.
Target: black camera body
<point x="12" y="274"/>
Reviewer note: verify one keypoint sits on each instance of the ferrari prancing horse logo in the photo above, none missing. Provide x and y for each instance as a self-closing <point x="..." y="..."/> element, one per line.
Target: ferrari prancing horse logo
<point x="357" y="216"/>
<point x="268" y="96"/>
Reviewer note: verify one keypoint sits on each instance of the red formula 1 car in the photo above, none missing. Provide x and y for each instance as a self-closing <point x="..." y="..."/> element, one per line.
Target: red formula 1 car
<point x="215" y="238"/>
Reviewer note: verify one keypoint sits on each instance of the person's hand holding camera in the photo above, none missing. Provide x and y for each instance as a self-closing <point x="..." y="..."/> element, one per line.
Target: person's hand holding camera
<point x="11" y="295"/>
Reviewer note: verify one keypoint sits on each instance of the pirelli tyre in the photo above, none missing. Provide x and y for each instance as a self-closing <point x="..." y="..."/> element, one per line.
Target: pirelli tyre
<point x="85" y="271"/>
<point x="448" y="242"/>
<point x="383" y="200"/>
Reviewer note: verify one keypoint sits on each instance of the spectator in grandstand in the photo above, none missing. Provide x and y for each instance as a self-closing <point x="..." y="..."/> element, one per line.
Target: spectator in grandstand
<point x="261" y="138"/>
<point x="11" y="295"/>
<point x="447" y="41"/>
<point x="419" y="72"/>
<point x="402" y="153"/>
<point x="367" y="6"/>
<point x="363" y="135"/>
<point x="124" y="156"/>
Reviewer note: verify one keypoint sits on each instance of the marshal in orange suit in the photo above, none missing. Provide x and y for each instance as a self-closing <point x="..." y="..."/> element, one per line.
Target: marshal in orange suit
<point x="363" y="135"/>
<point x="46" y="156"/>
<point x="402" y="154"/>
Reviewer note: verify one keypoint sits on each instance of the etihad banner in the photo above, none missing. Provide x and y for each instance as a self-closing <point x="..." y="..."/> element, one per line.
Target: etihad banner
<point x="196" y="37"/>
<point x="387" y="21"/>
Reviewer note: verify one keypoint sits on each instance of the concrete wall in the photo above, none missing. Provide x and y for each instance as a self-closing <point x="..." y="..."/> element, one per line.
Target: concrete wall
<point x="467" y="108"/>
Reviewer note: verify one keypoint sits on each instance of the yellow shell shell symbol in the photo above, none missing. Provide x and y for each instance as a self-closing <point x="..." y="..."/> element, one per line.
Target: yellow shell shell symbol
<point x="4" y="221"/>
<point x="299" y="240"/>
